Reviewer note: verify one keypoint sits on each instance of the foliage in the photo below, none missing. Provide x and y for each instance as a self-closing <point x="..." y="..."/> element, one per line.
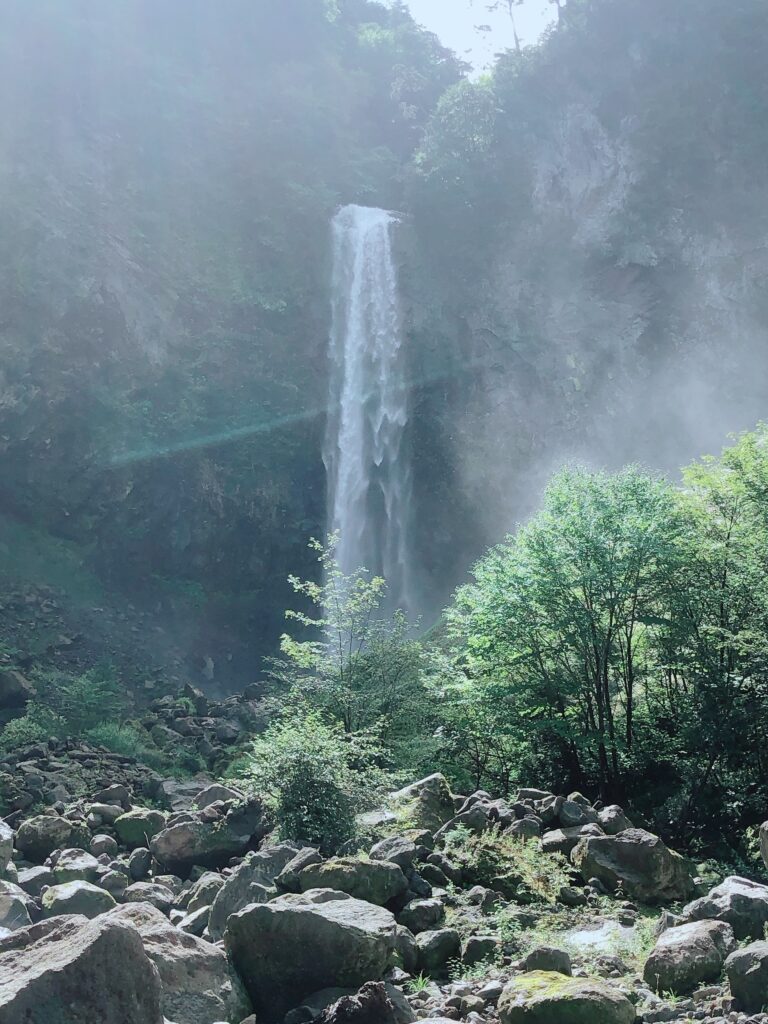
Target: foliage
<point x="495" y="857"/>
<point x="619" y="641"/>
<point x="33" y="727"/>
<point x="364" y="670"/>
<point x="315" y="777"/>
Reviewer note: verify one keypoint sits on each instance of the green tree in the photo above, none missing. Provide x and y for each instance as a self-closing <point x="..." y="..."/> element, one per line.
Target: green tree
<point x="559" y="613"/>
<point x="361" y="669"/>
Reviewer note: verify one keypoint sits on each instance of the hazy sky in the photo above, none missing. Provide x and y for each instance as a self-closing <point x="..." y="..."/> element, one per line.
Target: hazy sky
<point x="455" y="20"/>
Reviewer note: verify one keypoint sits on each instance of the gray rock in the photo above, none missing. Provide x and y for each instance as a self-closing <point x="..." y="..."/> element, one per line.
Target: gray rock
<point x="103" y="844"/>
<point x="479" y="949"/>
<point x="115" y="882"/>
<point x="74" y="866"/>
<point x="743" y="904"/>
<point x="181" y="846"/>
<point x="157" y="896"/>
<point x="688" y="955"/>
<point x="6" y="845"/>
<point x="204" y="891"/>
<point x="747" y="971"/>
<point x="32" y="880"/>
<point x="564" y="840"/>
<point x="38" y="837"/>
<point x="81" y="898"/>
<point x="547" y="958"/>
<point x="397" y="849"/>
<point x="638" y="863"/>
<point x="139" y="863"/>
<point x="374" y="881"/>
<point x="70" y="970"/>
<point x="436" y="948"/>
<point x="215" y="792"/>
<point x="421" y="915"/>
<point x="136" y="828"/>
<point x="286" y="949"/>
<point x="288" y="879"/>
<point x="14" y="907"/>
<point x="198" y="983"/>
<point x="612" y="820"/>
<point x="249" y="883"/>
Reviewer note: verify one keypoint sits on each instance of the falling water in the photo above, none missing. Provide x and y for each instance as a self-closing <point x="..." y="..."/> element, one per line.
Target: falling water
<point x="369" y="473"/>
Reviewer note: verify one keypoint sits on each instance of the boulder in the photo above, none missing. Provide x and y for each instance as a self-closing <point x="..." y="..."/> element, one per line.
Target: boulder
<point x="157" y="896"/>
<point x="81" y="898"/>
<point x="38" y="837"/>
<point x="198" y="982"/>
<point x="250" y="882"/>
<point x="547" y="958"/>
<point x="436" y="948"/>
<point x="288" y="879"/>
<point x="637" y="862"/>
<point x="563" y="840"/>
<point x="15" y="689"/>
<point x="543" y="997"/>
<point x="573" y="813"/>
<point x="397" y="849"/>
<point x="180" y="847"/>
<point x="75" y="866"/>
<point x="286" y="949"/>
<point x="688" y="955"/>
<point x="479" y="949"/>
<point x="764" y="842"/>
<point x="375" y="1003"/>
<point x="375" y="881"/>
<point x="743" y="904"/>
<point x="14" y="907"/>
<point x="6" y="845"/>
<point x="427" y="803"/>
<point x="32" y="880"/>
<point x="180" y="795"/>
<point x="747" y="971"/>
<point x="612" y="820"/>
<point x="136" y="828"/>
<point x="421" y="915"/>
<point x="215" y="792"/>
<point x="70" y="970"/>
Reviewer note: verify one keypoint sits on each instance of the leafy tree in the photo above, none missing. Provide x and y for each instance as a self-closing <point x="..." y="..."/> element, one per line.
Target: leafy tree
<point x="362" y="670"/>
<point x="558" y="612"/>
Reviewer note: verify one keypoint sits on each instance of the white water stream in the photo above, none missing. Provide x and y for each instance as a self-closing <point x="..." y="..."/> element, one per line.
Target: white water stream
<point x="367" y="464"/>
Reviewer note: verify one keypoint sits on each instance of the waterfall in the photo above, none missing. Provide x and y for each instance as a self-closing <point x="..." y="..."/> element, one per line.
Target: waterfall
<point x="367" y="464"/>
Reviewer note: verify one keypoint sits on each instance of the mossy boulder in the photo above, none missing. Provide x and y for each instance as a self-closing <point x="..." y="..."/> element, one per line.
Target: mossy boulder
<point x="136" y="828"/>
<point x="542" y="997"/>
<point x="374" y="881"/>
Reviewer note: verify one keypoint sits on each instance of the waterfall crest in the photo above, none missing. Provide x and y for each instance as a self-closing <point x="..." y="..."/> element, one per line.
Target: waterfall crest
<point x="367" y="464"/>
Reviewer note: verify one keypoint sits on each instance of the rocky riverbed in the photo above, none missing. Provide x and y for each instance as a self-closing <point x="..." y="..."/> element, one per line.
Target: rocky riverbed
<point x="131" y="898"/>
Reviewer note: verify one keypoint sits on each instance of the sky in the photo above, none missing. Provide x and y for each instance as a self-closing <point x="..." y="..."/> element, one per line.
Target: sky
<point x="454" y="22"/>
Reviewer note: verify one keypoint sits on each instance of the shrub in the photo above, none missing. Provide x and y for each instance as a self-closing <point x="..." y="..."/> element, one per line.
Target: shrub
<point x="119" y="738"/>
<point x="314" y="777"/>
<point x="37" y="725"/>
<point x="517" y="867"/>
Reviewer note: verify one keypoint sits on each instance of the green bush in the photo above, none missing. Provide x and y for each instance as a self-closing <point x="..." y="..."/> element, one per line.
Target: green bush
<point x="36" y="726"/>
<point x="314" y="777"/>
<point x="505" y="862"/>
<point x="118" y="737"/>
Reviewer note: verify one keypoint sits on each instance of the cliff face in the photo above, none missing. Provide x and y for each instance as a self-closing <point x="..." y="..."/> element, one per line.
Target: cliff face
<point x="168" y="176"/>
<point x="605" y="283"/>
